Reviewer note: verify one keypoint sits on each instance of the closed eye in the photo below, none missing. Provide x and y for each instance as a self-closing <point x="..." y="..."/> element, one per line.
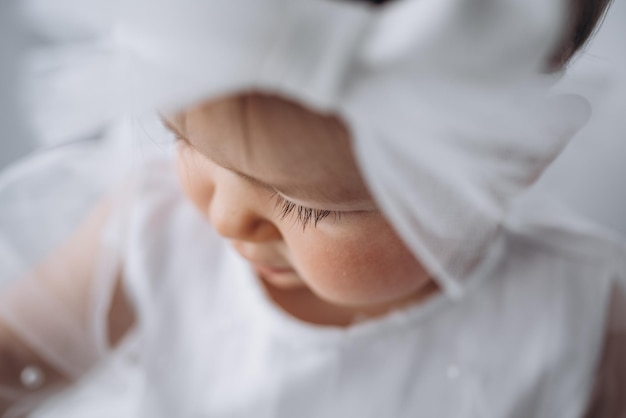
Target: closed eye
<point x="303" y="215"/>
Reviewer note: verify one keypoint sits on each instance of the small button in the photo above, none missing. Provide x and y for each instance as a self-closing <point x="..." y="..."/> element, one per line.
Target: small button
<point x="32" y="377"/>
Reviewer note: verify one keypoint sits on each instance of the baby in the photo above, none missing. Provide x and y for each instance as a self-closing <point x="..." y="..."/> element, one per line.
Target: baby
<point x="280" y="183"/>
<point x="287" y="194"/>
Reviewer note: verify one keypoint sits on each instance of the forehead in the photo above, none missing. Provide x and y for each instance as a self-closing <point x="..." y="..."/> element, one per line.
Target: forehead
<point x="276" y="142"/>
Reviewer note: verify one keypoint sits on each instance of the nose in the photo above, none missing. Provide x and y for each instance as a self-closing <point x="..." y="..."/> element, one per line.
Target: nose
<point x="236" y="211"/>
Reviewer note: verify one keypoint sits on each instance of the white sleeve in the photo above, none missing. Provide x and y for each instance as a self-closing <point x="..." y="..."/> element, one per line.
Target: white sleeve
<point x="60" y="252"/>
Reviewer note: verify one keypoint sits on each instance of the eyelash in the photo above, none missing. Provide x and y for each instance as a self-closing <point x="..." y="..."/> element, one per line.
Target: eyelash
<point x="304" y="216"/>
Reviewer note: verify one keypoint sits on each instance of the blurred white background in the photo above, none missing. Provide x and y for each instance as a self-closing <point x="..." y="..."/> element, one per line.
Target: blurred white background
<point x="590" y="175"/>
<point x="12" y="127"/>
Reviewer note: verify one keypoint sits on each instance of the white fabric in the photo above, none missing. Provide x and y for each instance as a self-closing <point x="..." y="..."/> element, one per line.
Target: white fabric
<point x="55" y="293"/>
<point x="588" y="174"/>
<point x="210" y="343"/>
<point x="450" y="120"/>
<point x="471" y="122"/>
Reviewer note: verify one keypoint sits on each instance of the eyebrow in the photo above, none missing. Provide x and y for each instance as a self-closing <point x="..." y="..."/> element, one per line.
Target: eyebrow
<point x="317" y="195"/>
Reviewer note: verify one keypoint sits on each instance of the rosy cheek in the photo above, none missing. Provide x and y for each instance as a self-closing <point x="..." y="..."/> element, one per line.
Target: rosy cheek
<point x="356" y="268"/>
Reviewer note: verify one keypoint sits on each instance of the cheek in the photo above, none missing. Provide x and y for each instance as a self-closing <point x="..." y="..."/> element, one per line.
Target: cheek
<point x="364" y="265"/>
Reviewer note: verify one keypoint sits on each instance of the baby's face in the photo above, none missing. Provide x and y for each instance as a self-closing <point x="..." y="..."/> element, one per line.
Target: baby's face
<point x="280" y="183"/>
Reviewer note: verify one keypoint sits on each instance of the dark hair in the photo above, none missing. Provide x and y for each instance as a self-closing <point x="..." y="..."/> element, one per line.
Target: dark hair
<point x="583" y="19"/>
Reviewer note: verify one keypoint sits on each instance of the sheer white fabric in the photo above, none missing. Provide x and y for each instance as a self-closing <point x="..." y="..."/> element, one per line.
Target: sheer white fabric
<point x="34" y="304"/>
<point x="444" y="137"/>
<point x="211" y="343"/>
<point x="437" y="61"/>
<point x="59" y="259"/>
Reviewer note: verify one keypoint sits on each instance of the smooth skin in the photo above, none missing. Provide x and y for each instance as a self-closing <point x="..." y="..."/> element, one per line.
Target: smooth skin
<point x="242" y="161"/>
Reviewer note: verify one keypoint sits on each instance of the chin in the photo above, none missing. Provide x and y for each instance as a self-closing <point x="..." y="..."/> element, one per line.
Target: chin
<point x="282" y="281"/>
<point x="362" y="300"/>
<point x="340" y="299"/>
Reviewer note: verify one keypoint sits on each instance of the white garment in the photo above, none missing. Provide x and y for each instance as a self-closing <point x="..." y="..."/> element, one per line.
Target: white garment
<point x="445" y="140"/>
<point x="446" y="101"/>
<point x="524" y="342"/>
